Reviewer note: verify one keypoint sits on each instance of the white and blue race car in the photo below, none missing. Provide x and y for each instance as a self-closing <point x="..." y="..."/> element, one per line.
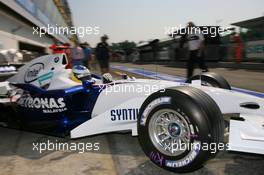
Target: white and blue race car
<point x="176" y="123"/>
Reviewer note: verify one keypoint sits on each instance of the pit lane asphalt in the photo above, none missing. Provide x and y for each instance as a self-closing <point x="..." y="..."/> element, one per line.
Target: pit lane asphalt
<point x="119" y="153"/>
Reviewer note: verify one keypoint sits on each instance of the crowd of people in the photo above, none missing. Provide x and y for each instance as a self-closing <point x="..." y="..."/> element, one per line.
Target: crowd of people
<point x="82" y="54"/>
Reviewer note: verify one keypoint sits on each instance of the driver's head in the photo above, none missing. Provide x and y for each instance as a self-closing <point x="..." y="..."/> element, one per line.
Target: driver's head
<point x="80" y="73"/>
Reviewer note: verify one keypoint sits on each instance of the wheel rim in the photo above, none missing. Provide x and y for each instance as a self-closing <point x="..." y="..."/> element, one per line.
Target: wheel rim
<point x="169" y="132"/>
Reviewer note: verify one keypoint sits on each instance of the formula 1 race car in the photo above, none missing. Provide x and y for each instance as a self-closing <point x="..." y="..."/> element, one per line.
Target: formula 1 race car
<point x="175" y="122"/>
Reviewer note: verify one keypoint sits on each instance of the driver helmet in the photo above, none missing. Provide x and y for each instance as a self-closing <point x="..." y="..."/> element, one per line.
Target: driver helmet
<point x="80" y="73"/>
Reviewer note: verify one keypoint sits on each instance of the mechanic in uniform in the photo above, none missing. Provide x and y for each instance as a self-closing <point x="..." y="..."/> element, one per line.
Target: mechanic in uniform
<point x="87" y="54"/>
<point x="77" y="54"/>
<point x="195" y="41"/>
<point x="102" y="54"/>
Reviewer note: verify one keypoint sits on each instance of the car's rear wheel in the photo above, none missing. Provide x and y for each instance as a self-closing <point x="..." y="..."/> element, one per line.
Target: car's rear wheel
<point x="175" y="124"/>
<point x="211" y="79"/>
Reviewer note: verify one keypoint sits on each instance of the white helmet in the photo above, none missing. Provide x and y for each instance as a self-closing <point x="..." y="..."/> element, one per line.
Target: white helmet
<point x="80" y="73"/>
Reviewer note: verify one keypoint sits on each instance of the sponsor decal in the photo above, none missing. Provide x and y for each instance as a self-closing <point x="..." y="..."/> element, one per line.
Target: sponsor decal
<point x="45" y="79"/>
<point x="47" y="105"/>
<point x="156" y="158"/>
<point x="153" y="104"/>
<point x="187" y="159"/>
<point x="124" y="114"/>
<point x="32" y="72"/>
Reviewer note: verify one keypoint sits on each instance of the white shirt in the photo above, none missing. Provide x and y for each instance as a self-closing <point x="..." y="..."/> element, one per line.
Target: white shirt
<point x="194" y="39"/>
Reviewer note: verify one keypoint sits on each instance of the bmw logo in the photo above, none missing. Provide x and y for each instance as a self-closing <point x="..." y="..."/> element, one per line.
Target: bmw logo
<point x="56" y="59"/>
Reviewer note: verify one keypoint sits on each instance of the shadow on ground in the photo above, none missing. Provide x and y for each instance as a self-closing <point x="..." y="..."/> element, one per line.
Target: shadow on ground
<point x="126" y="153"/>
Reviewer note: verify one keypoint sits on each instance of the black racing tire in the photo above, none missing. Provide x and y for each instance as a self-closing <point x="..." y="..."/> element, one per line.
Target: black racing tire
<point x="212" y="79"/>
<point x="203" y="117"/>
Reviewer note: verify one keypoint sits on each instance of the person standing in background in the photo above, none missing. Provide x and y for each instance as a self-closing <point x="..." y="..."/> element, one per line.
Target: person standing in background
<point x="195" y="41"/>
<point x="238" y="47"/>
<point x="87" y="54"/>
<point x="77" y="55"/>
<point x="93" y="62"/>
<point x="102" y="54"/>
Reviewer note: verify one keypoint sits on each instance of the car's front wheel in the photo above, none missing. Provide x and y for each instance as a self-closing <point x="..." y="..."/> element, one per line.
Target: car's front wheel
<point x="175" y="124"/>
